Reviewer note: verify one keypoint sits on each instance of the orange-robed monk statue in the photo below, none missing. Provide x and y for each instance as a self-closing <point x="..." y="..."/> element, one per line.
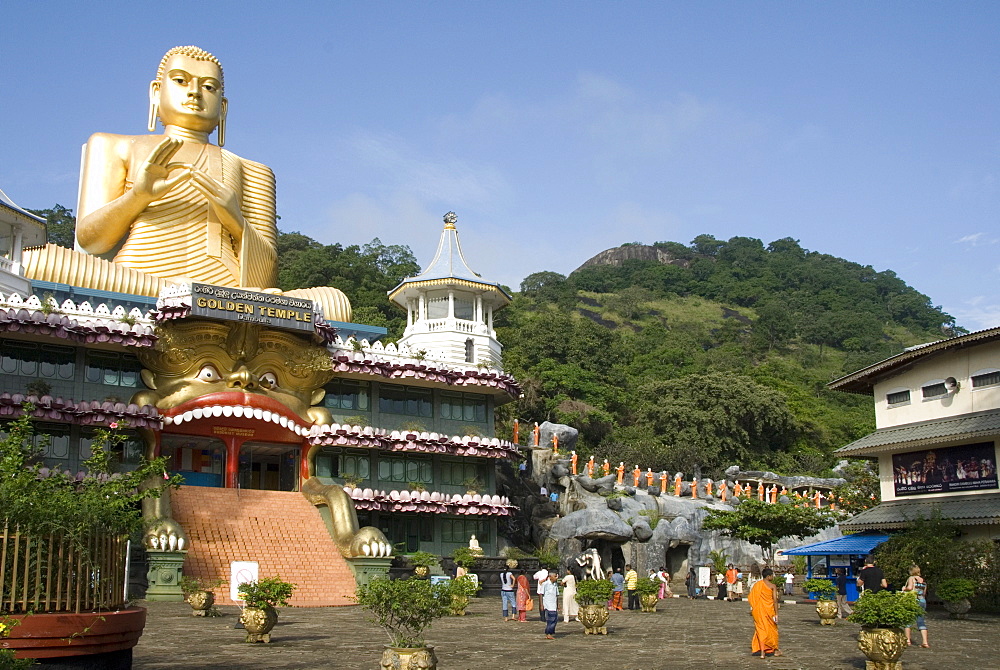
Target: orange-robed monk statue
<point x="158" y="209"/>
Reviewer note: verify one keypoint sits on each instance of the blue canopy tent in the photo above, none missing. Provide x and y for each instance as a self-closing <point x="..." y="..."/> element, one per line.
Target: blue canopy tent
<point x="845" y="552"/>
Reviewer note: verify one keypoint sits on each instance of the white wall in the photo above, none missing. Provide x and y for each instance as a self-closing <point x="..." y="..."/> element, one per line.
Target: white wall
<point x="961" y="365"/>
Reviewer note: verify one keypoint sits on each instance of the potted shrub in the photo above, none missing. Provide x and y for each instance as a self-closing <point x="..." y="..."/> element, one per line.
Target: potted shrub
<point x="199" y="594"/>
<point x="593" y="596"/>
<point x="883" y="616"/>
<point x="648" y="591"/>
<point x="261" y="598"/>
<point x="74" y="528"/>
<point x="461" y="590"/>
<point x="823" y="591"/>
<point x="956" y="593"/>
<point x="422" y="562"/>
<point x="404" y="608"/>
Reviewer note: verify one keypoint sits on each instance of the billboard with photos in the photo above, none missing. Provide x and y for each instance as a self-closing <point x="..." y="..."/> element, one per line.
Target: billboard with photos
<point x="968" y="467"/>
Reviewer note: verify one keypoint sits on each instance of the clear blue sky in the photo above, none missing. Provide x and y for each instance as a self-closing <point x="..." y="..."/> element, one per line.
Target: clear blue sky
<point x="866" y="130"/>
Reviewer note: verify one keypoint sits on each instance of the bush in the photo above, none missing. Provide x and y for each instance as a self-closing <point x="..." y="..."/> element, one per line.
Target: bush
<point x="823" y="588"/>
<point x="594" y="591"/>
<point x="464" y="586"/>
<point x="886" y="609"/>
<point x="194" y="584"/>
<point x="422" y="558"/>
<point x="954" y="590"/>
<point x="548" y="557"/>
<point x="404" y="607"/>
<point x="464" y="557"/>
<point x="267" y="592"/>
<point x="647" y="587"/>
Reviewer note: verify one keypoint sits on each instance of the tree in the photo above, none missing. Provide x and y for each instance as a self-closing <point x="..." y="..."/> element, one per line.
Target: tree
<point x="60" y="225"/>
<point x="764" y="524"/>
<point x="862" y="488"/>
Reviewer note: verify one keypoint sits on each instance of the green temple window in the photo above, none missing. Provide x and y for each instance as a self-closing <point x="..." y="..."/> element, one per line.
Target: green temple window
<point x="458" y="531"/>
<point x="407" y="531"/>
<point x="348" y="394"/>
<point x="27" y="359"/>
<point x="461" y="473"/>
<point x="332" y="463"/>
<point x="52" y="440"/>
<point x="463" y="407"/>
<point x="112" y="369"/>
<point x="405" y="470"/>
<point x="407" y="400"/>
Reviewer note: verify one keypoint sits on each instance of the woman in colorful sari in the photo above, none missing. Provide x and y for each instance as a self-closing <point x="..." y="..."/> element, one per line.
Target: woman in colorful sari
<point x="523" y="597"/>
<point x="763" y="599"/>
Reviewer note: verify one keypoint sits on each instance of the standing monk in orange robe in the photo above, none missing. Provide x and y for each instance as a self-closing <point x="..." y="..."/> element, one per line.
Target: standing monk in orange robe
<point x="763" y="598"/>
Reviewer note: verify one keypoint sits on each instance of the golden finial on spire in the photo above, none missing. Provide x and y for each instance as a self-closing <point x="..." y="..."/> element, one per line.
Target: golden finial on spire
<point x="450" y="219"/>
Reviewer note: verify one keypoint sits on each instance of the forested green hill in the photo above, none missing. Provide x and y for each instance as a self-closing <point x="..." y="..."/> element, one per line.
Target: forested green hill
<point x="716" y="355"/>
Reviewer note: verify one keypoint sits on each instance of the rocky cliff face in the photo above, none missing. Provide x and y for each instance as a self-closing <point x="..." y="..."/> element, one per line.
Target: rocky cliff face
<point x="635" y="525"/>
<point x="641" y="252"/>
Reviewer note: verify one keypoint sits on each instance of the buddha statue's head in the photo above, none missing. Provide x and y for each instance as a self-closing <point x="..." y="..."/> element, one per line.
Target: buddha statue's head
<point x="200" y="368"/>
<point x="188" y="92"/>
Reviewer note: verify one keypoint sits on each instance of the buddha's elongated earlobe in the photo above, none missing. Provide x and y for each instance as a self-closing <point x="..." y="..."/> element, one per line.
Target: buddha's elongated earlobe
<point x="154" y="105"/>
<point x="222" y="122"/>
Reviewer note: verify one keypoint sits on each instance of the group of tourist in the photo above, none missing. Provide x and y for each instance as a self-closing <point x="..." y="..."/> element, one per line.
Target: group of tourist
<point x="517" y="598"/>
<point x="871" y="579"/>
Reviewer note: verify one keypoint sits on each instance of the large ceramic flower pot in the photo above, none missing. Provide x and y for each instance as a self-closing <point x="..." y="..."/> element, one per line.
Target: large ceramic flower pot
<point x="201" y="602"/>
<point x="593" y="618"/>
<point x="259" y="622"/>
<point x="397" y="658"/>
<point x="648" y="603"/>
<point x="958" y="609"/>
<point x="827" y="611"/>
<point x="882" y="647"/>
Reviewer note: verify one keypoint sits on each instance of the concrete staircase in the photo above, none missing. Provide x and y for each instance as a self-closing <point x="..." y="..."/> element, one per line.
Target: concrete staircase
<point x="281" y="531"/>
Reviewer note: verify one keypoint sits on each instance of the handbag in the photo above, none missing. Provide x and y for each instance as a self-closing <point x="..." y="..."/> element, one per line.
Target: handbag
<point x="530" y="606"/>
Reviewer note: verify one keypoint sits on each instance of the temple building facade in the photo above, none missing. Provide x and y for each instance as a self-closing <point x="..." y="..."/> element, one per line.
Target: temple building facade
<point x="937" y="416"/>
<point x="405" y="430"/>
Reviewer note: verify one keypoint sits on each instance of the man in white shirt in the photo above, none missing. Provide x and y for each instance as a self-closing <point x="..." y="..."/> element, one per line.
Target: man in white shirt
<point x="789" y="581"/>
<point x="541" y="577"/>
<point x="550" y="603"/>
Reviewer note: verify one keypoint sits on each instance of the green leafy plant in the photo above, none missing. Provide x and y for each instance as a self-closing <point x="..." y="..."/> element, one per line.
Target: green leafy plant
<point x="886" y="609"/>
<point x="594" y="591"/>
<point x="404" y="607"/>
<point x="45" y="500"/>
<point x="956" y="589"/>
<point x="652" y="516"/>
<point x="464" y="586"/>
<point x="763" y="524"/>
<point x="473" y="484"/>
<point x="194" y="584"/>
<point x="548" y="556"/>
<point x="38" y="388"/>
<point x="416" y="486"/>
<point x="823" y="588"/>
<point x="423" y="559"/>
<point x="799" y="564"/>
<point x="719" y="559"/>
<point x="267" y="592"/>
<point x="353" y="481"/>
<point x="464" y="556"/>
<point x="778" y="580"/>
<point x="647" y="587"/>
<point x="8" y="662"/>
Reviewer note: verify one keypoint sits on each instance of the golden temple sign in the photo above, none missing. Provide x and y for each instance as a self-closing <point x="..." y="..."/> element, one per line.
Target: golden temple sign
<point x="270" y="309"/>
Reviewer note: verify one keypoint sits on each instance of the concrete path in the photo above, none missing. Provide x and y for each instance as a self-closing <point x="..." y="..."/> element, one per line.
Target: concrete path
<point x="681" y="635"/>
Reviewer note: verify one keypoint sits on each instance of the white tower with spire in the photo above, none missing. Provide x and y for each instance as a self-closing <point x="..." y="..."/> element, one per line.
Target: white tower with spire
<point x="449" y="307"/>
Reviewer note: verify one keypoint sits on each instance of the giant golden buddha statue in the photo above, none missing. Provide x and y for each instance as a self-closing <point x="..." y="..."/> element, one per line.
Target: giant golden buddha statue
<point x="159" y="209"/>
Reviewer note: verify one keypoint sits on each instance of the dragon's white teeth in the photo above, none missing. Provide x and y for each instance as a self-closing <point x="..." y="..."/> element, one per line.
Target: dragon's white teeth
<point x="283" y="420"/>
<point x="167" y="420"/>
<point x="275" y="417"/>
<point x="188" y="415"/>
<point x="238" y="412"/>
<point x="197" y="412"/>
<point x="227" y="410"/>
<point x="258" y="413"/>
<point x="265" y="415"/>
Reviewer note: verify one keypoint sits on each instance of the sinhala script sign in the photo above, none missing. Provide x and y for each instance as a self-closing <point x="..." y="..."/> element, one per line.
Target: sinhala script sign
<point x="236" y="304"/>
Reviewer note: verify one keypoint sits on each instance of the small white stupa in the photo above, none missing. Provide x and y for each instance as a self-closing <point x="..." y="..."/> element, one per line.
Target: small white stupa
<point x="449" y="307"/>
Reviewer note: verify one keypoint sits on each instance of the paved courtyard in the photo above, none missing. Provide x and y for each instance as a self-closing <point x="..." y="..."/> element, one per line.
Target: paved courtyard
<point x="682" y="634"/>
